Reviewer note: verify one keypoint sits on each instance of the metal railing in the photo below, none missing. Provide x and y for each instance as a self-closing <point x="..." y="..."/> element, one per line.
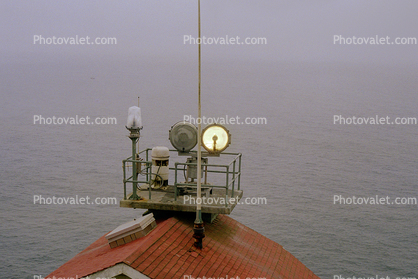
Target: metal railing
<point x="144" y="171"/>
<point x="231" y="171"/>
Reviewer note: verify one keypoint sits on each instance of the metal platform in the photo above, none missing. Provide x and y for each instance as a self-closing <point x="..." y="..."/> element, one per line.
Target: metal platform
<point x="216" y="202"/>
<point x="218" y="198"/>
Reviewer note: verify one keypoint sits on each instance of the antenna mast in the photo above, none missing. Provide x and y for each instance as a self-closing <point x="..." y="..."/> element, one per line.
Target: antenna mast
<point x="138" y="139"/>
<point x="199" y="230"/>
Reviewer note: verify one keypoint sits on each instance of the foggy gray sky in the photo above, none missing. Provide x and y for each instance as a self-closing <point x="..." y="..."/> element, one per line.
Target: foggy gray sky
<point x="295" y="30"/>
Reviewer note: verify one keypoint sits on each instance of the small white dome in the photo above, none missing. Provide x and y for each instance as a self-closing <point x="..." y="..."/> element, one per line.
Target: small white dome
<point x="160" y="153"/>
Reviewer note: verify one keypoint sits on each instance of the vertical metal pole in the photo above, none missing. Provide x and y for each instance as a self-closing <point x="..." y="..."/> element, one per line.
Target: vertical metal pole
<point x="198" y="223"/>
<point x="138" y="138"/>
<point x="134" y="169"/>
<point x="175" y="181"/>
<point x="233" y="178"/>
<point x="124" y="180"/>
<point x="227" y="186"/>
<point x="239" y="175"/>
<point x="148" y="167"/>
<point x="199" y="140"/>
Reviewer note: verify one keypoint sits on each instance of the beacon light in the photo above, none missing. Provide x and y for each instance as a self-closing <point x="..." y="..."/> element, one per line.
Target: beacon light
<point x="134" y="118"/>
<point x="215" y="138"/>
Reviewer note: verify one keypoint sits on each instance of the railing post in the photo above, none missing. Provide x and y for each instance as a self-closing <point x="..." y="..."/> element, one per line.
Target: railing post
<point x="134" y="169"/>
<point x="239" y="175"/>
<point x="149" y="182"/>
<point x="146" y="159"/>
<point x="175" y="181"/>
<point x="233" y="177"/>
<point x="227" y="186"/>
<point x="124" y="180"/>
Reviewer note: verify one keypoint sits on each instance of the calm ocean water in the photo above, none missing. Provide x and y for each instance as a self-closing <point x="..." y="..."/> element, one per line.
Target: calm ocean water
<point x="299" y="160"/>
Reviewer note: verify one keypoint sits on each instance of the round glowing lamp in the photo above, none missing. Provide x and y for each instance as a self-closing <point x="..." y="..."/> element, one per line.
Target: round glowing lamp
<point x="215" y="138"/>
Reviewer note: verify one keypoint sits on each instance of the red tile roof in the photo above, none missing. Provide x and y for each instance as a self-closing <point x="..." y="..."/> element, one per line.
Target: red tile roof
<point x="229" y="248"/>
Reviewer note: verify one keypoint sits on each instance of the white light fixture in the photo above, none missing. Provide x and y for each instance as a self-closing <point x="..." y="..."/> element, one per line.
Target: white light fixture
<point x="183" y="136"/>
<point x="134" y="118"/>
<point x="215" y="138"/>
